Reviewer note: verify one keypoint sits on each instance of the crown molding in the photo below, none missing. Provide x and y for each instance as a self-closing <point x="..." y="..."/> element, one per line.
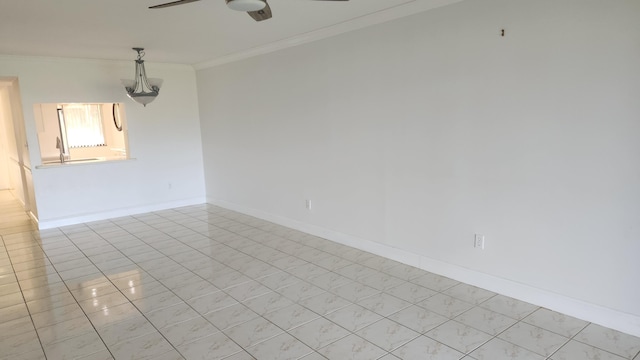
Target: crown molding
<point x="393" y="13"/>
<point x="102" y="62"/>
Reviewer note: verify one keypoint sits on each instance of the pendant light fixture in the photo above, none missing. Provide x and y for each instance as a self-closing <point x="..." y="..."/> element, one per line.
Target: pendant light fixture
<point x="142" y="90"/>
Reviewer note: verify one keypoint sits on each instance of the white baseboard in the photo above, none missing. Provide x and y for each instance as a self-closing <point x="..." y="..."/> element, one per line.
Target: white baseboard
<point x="52" y="223"/>
<point x="617" y="320"/>
<point x="34" y="218"/>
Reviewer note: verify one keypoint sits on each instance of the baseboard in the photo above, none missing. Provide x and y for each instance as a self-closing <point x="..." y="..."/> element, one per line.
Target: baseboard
<point x="34" y="218"/>
<point x="52" y="223"/>
<point x="617" y="320"/>
<point x="614" y="319"/>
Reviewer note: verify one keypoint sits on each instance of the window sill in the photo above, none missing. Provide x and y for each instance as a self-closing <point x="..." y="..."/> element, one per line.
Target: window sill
<point x="80" y="162"/>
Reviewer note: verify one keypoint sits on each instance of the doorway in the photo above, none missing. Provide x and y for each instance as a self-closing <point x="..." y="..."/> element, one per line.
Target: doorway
<point x="15" y="165"/>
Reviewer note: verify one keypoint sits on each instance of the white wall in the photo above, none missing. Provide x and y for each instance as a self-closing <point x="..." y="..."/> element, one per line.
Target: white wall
<point x="164" y="139"/>
<point x="5" y="183"/>
<point x="417" y="133"/>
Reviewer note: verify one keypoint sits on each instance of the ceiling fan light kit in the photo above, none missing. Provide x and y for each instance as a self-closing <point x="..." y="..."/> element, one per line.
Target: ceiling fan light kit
<point x="259" y="10"/>
<point x="142" y="90"/>
<point x="246" y="5"/>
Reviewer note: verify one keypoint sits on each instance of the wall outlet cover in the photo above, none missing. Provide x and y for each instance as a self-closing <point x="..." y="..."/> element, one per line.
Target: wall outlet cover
<point x="479" y="241"/>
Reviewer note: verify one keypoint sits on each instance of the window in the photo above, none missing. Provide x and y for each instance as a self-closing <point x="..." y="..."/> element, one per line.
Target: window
<point x="81" y="132"/>
<point x="82" y="125"/>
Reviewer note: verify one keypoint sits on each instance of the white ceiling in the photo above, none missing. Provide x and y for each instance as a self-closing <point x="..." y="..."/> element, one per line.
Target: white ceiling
<point x="193" y="33"/>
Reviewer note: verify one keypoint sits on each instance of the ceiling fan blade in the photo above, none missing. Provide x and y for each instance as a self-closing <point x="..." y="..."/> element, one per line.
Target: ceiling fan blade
<point x="261" y="15"/>
<point x="173" y="3"/>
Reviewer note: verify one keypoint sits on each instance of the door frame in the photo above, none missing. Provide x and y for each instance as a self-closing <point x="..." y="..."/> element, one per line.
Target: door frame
<point x="22" y="145"/>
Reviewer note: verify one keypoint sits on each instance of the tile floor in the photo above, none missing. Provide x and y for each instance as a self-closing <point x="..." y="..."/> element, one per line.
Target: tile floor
<point x="202" y="282"/>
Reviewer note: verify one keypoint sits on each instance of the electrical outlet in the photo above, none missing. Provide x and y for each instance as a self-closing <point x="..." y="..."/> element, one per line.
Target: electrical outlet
<point x="479" y="241"/>
<point x="307" y="204"/>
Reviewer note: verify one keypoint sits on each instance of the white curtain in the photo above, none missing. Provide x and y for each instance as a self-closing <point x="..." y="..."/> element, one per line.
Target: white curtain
<point x="84" y="125"/>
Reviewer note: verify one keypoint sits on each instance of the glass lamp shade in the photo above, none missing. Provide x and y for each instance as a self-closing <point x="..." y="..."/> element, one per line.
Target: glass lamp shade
<point x="155" y="83"/>
<point x="128" y="84"/>
<point x="246" y="5"/>
<point x="139" y="93"/>
<point x="143" y="98"/>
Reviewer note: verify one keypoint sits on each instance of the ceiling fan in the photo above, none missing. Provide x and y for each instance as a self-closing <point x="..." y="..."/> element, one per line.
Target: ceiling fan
<point x="259" y="10"/>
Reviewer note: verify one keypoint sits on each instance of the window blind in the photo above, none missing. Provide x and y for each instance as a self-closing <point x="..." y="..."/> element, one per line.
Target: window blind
<point x="83" y="123"/>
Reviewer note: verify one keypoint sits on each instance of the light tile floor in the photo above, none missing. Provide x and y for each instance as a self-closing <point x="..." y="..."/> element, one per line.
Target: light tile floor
<point x="202" y="282"/>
